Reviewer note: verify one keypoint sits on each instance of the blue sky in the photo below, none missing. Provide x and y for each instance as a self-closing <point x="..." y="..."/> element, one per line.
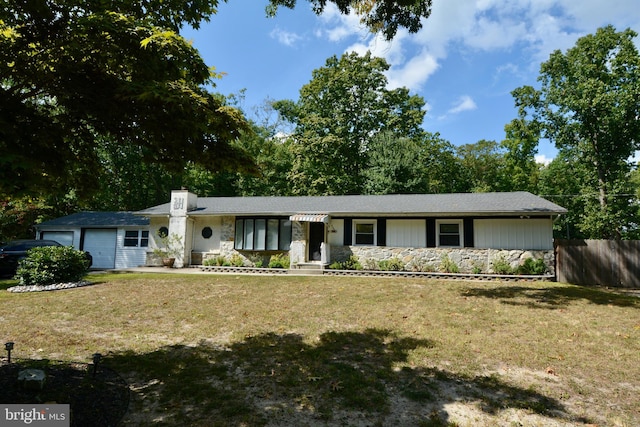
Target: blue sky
<point x="465" y="61"/>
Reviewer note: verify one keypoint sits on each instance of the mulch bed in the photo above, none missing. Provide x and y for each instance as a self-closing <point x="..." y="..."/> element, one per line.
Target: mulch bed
<point x="95" y="400"/>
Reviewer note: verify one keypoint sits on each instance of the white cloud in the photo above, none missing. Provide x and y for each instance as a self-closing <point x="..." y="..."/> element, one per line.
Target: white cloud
<point x="543" y="159"/>
<point x="286" y="38"/>
<point x="529" y="30"/>
<point x="464" y="103"/>
<point x="414" y="73"/>
<point x="337" y="26"/>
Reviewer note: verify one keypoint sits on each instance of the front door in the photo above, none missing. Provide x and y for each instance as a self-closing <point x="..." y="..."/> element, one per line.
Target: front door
<point x="316" y="237"/>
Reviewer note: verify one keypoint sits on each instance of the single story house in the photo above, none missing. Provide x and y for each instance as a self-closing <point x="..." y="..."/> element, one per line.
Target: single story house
<point x="471" y="229"/>
<point x="114" y="239"/>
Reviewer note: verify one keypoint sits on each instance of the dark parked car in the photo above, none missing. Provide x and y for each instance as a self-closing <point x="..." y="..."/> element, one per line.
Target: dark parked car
<point x="12" y="252"/>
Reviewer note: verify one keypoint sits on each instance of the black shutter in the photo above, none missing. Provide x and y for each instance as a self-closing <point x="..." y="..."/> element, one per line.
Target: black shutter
<point x="348" y="231"/>
<point x="382" y="232"/>
<point x="431" y="232"/>
<point x="468" y="233"/>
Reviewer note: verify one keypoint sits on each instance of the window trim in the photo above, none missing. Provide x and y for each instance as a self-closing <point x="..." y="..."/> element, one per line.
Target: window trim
<point x="141" y="239"/>
<point x="283" y="242"/>
<point x="460" y="234"/>
<point x="355" y="233"/>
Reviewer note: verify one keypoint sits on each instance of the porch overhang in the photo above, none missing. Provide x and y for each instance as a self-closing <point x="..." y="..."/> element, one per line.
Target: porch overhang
<point x="310" y="218"/>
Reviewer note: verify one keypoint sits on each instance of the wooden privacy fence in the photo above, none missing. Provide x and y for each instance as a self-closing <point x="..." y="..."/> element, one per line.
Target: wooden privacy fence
<point x="598" y="262"/>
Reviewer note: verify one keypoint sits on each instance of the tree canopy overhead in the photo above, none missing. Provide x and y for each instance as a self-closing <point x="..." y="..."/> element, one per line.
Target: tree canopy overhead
<point x="73" y="71"/>
<point x="379" y="16"/>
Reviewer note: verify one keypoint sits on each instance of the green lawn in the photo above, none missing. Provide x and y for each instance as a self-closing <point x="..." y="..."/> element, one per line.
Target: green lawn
<point x="253" y="350"/>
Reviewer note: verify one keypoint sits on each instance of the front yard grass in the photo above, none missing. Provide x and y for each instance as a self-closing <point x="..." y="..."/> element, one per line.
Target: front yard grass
<point x="253" y="350"/>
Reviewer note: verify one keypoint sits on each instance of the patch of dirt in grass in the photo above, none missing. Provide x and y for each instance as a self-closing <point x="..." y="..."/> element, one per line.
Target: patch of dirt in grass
<point x="347" y="378"/>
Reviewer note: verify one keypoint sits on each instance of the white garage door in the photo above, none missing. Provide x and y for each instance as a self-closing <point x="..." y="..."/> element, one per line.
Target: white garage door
<point x="65" y="238"/>
<point x="101" y="244"/>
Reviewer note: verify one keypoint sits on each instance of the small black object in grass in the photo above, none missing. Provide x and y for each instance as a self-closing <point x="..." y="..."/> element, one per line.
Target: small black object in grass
<point x="8" y="346"/>
<point x="96" y="359"/>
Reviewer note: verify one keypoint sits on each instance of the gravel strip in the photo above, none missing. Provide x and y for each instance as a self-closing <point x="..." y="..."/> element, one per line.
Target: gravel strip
<point x="53" y="287"/>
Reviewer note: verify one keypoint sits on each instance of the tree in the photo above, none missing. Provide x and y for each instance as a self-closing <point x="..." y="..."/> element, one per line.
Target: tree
<point x="339" y="112"/>
<point x="563" y="182"/>
<point x="483" y="165"/>
<point x="72" y="72"/>
<point x="394" y="166"/>
<point x="521" y="170"/>
<point x="384" y="16"/>
<point x="588" y="105"/>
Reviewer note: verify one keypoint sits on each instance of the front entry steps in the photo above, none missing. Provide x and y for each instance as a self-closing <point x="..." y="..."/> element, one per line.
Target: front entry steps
<point x="310" y="268"/>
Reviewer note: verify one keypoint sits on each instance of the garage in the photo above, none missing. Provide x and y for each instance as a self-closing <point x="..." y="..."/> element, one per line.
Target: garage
<point x="65" y="238"/>
<point x="114" y="239"/>
<point x="101" y="244"/>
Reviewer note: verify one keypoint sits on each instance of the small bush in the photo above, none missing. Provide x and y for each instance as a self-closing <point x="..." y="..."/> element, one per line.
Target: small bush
<point x="237" y="260"/>
<point x="256" y="260"/>
<point x="500" y="265"/>
<point x="448" y="266"/>
<point x="52" y="264"/>
<point x="279" y="261"/>
<point x="350" y="264"/>
<point x="533" y="267"/>
<point x="393" y="264"/>
<point x="217" y="261"/>
<point x="419" y="267"/>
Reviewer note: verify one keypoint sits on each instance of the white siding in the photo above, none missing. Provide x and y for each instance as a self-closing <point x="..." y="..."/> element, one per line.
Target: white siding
<point x="407" y="233"/>
<point x="63" y="237"/>
<point x="129" y="256"/>
<point x="525" y="234"/>
<point x="212" y="244"/>
<point x="335" y="233"/>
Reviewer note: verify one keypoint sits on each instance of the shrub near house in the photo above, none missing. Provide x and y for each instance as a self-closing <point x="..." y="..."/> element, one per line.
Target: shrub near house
<point x="52" y="264"/>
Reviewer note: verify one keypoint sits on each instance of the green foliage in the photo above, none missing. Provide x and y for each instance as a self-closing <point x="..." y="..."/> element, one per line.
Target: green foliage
<point x="279" y="261"/>
<point x="393" y="264"/>
<point x="218" y="261"/>
<point x="588" y="105"/>
<point x="384" y="16"/>
<point x="236" y="260"/>
<point x="52" y="264"/>
<point x="500" y="265"/>
<point x="352" y="263"/>
<point x="72" y="73"/>
<point x="19" y="215"/>
<point x="482" y="164"/>
<point x="255" y="259"/>
<point x="168" y="245"/>
<point x="532" y="267"/>
<point x="447" y="265"/>
<point x="339" y="112"/>
<point x="393" y="167"/>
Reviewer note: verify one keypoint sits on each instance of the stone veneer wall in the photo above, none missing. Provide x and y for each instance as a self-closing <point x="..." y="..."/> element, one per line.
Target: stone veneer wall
<point x="430" y="259"/>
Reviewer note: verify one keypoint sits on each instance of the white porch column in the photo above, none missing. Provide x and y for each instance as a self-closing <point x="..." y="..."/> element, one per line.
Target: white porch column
<point x="182" y="201"/>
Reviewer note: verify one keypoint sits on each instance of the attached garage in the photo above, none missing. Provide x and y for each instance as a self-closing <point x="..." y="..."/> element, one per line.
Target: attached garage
<point x="101" y="244"/>
<point x="114" y="239"/>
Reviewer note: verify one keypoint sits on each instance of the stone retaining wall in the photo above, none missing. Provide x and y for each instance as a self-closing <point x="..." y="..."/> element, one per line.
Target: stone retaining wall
<point x="468" y="260"/>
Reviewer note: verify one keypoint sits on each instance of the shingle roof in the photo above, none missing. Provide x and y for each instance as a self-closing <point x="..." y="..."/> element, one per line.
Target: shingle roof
<point x="463" y="204"/>
<point x="97" y="219"/>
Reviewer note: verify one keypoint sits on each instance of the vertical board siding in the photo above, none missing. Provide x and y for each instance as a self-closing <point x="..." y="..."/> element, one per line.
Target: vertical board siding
<point x="533" y="234"/>
<point x="407" y="233"/>
<point x="599" y="262"/>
